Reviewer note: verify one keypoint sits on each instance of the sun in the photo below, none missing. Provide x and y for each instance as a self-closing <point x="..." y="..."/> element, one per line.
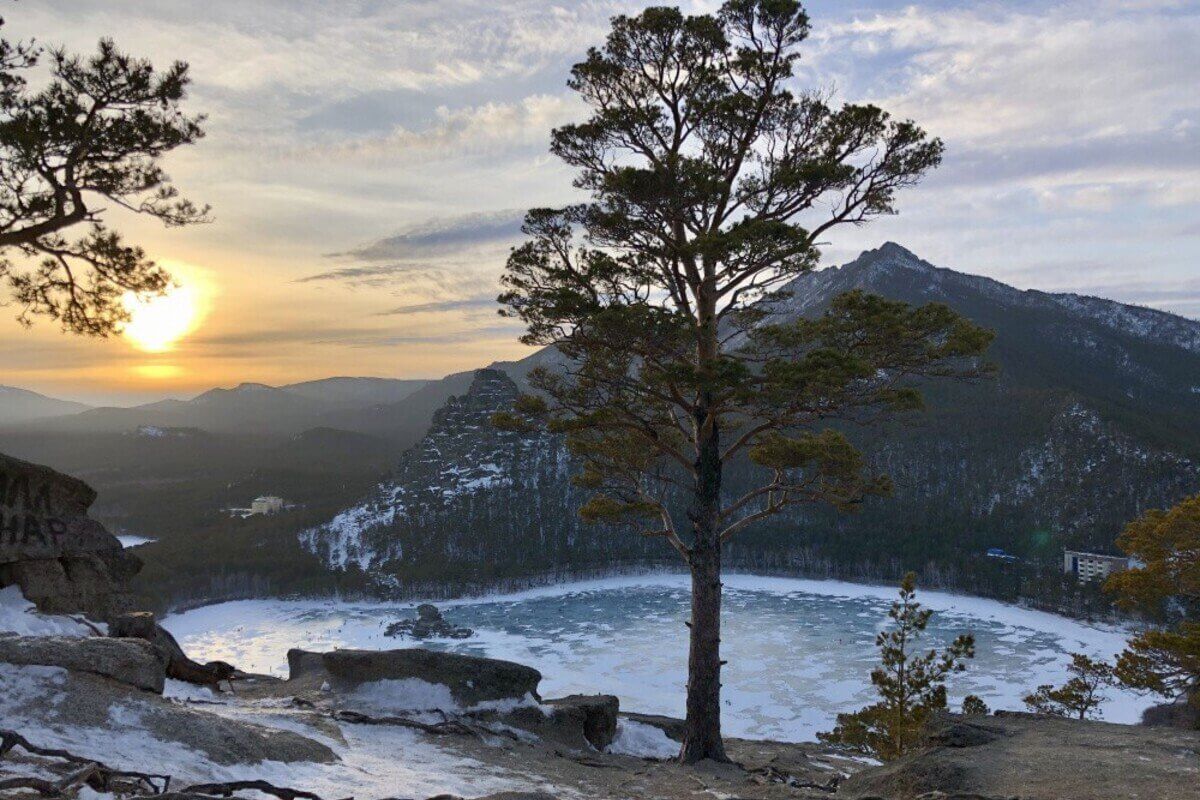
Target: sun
<point x="157" y="323"/>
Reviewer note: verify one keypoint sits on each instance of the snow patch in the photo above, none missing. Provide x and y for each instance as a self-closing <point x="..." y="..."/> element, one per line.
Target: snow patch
<point x="642" y="741"/>
<point x="404" y="694"/>
<point x="134" y="541"/>
<point x="19" y="616"/>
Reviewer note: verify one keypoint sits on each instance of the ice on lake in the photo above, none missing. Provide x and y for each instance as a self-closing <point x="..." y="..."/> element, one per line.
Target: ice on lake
<point x="799" y="651"/>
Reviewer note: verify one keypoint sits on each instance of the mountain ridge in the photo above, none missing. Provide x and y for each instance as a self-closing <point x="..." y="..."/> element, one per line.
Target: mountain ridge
<point x="1089" y="424"/>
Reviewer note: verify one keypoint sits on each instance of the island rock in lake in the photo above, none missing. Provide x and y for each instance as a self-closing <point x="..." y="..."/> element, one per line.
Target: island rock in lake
<point x="429" y="624"/>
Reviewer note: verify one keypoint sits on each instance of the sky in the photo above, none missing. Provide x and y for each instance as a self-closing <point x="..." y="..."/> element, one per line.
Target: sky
<point x="368" y="162"/>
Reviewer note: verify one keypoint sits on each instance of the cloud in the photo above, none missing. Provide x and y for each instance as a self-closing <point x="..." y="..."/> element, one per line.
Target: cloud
<point x="486" y="130"/>
<point x="998" y="76"/>
<point x="474" y="334"/>
<point x="380" y="274"/>
<point x="442" y="235"/>
<point x="460" y="304"/>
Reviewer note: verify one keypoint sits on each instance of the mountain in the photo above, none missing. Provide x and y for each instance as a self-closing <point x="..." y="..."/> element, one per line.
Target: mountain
<point x="1134" y="365"/>
<point x="253" y="408"/>
<point x="345" y="392"/>
<point x="1092" y="420"/>
<point x="21" y="405"/>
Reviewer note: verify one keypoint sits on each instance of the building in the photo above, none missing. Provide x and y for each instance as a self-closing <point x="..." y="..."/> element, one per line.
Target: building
<point x="1088" y="567"/>
<point x="267" y="504"/>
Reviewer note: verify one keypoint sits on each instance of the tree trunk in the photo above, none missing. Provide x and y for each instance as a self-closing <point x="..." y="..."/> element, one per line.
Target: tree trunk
<point x="702" y="737"/>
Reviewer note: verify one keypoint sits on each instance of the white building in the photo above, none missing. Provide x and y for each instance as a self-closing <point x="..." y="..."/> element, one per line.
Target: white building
<point x="267" y="504"/>
<point x="1088" y="567"/>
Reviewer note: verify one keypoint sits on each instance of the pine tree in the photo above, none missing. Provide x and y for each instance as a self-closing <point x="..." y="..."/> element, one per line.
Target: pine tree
<point x="1164" y="659"/>
<point x="1080" y="696"/>
<point x="711" y="184"/>
<point x="91" y="137"/>
<point x="911" y="687"/>
<point x="973" y="705"/>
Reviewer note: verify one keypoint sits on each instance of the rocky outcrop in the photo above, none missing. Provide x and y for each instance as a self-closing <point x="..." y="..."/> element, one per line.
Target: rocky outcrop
<point x="595" y="715"/>
<point x="37" y="697"/>
<point x="1037" y="758"/>
<point x="142" y="625"/>
<point x="131" y="662"/>
<point x="429" y="624"/>
<point x="471" y="680"/>
<point x="63" y="560"/>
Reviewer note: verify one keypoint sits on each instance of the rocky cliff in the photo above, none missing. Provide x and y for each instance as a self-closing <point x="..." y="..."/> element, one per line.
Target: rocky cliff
<point x="62" y="560"/>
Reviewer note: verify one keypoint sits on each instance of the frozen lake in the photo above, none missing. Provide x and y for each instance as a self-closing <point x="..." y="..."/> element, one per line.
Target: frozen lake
<point x="799" y="651"/>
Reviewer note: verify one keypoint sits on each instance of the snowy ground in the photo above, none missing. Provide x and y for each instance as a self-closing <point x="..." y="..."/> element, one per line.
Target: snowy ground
<point x="799" y="651"/>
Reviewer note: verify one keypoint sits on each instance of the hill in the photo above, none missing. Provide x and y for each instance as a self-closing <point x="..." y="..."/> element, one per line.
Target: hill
<point x="252" y="408"/>
<point x="21" y="405"/>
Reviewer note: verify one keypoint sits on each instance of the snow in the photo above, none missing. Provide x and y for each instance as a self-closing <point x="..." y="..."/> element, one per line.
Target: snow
<point x="643" y="741"/>
<point x="188" y="692"/>
<point x="799" y="651"/>
<point x="375" y="761"/>
<point x="19" y="616"/>
<point x="340" y="537"/>
<point x="134" y="541"/>
<point x="405" y="694"/>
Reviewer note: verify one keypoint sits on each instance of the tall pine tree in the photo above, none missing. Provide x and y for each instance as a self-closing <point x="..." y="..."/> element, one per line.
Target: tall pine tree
<point x="713" y="178"/>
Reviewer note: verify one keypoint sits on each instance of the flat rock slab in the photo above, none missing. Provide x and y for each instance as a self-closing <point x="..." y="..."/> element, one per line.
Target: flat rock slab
<point x="132" y="662"/>
<point x="471" y="679"/>
<point x="109" y="721"/>
<point x="1039" y="758"/>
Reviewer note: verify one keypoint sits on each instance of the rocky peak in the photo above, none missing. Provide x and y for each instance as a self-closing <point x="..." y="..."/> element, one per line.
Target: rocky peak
<point x="462" y="455"/>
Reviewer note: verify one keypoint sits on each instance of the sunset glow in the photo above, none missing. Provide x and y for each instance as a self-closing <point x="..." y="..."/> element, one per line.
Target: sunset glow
<point x="158" y="323"/>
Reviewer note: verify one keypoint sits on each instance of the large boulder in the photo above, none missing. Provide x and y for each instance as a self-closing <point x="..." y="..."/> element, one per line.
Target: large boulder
<point x="1037" y="758"/>
<point x="470" y="679"/>
<point x="63" y="560"/>
<point x="132" y="662"/>
<point x="142" y="625"/>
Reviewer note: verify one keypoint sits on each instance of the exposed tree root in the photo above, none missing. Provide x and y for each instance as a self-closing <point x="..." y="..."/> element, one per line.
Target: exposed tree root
<point x="95" y="774"/>
<point x="449" y="726"/>
<point x="230" y="788"/>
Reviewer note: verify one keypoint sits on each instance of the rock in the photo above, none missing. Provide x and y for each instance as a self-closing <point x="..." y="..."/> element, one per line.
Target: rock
<point x="673" y="727"/>
<point x="69" y="700"/>
<point x="595" y="715"/>
<point x="471" y="679"/>
<point x="429" y="624"/>
<point x="132" y="662"/>
<point x="580" y="722"/>
<point x="1173" y="715"/>
<point x="1036" y="758"/>
<point x="64" y="561"/>
<point x="142" y="625"/>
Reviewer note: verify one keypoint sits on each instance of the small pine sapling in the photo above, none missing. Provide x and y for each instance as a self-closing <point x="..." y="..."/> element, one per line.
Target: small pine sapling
<point x="1080" y="696"/>
<point x="911" y="687"/>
